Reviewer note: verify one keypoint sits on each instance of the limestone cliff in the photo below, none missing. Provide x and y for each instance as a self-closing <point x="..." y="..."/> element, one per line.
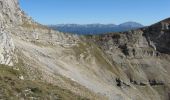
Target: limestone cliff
<point x="131" y="65"/>
<point x="8" y="16"/>
<point x="143" y="55"/>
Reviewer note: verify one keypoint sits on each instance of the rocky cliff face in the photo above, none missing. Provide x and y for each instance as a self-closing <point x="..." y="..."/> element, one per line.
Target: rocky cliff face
<point x="159" y="34"/>
<point x="9" y="14"/>
<point x="6" y="49"/>
<point x="132" y="65"/>
<point x="142" y="55"/>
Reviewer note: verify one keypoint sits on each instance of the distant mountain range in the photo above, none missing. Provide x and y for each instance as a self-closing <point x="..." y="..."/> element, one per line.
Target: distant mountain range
<point x="95" y="28"/>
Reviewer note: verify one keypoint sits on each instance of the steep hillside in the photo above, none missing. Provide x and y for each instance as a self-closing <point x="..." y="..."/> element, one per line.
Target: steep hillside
<point x="36" y="53"/>
<point x="143" y="55"/>
<point x="39" y="63"/>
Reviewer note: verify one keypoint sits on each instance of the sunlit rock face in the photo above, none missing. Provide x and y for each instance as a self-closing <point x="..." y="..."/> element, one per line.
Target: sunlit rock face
<point x="6" y="49"/>
<point x="142" y="54"/>
<point x="9" y="12"/>
<point x="9" y="15"/>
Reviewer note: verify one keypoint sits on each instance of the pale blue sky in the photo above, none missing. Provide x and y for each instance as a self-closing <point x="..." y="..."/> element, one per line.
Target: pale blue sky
<point x="96" y="11"/>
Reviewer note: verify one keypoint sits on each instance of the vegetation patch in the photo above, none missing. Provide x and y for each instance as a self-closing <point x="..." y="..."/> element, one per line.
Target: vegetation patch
<point x="14" y="88"/>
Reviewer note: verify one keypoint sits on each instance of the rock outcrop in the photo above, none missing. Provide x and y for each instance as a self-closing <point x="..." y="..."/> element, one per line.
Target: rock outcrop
<point x="6" y="49"/>
<point x="142" y="54"/>
<point x="159" y="33"/>
<point x="9" y="15"/>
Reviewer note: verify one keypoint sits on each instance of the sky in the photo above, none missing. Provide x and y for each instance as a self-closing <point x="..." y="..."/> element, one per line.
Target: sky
<point x="49" y="12"/>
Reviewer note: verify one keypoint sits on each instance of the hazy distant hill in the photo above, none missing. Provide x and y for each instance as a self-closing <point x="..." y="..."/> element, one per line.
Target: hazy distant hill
<point x="95" y="28"/>
<point x="131" y="25"/>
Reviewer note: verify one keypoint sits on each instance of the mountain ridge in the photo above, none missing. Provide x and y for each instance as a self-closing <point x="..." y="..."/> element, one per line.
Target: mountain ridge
<point x="95" y="28"/>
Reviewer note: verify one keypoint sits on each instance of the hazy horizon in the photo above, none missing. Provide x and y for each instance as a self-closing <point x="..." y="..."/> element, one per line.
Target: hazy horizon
<point x="116" y="12"/>
<point x="93" y="23"/>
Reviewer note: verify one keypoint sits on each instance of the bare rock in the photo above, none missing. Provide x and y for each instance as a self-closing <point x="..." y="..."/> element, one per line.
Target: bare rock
<point x="6" y="49"/>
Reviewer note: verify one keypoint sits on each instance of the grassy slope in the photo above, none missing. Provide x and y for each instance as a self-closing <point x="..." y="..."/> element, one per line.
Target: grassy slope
<point x="13" y="88"/>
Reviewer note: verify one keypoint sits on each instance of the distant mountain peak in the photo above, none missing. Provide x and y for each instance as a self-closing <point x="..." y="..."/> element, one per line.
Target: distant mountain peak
<point x="131" y="24"/>
<point x="96" y="28"/>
